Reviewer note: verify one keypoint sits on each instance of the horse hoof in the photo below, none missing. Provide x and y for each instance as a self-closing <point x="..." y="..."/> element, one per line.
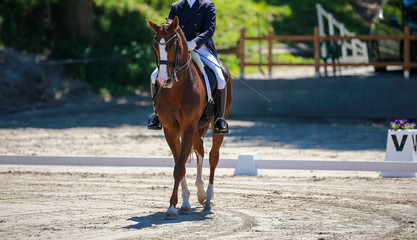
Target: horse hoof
<point x="171" y="216"/>
<point x="185" y="211"/>
<point x="207" y="206"/>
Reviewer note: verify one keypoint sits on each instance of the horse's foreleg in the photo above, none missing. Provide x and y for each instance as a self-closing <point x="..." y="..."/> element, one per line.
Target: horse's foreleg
<point x="214" y="160"/>
<point x="173" y="139"/>
<point x="179" y="171"/>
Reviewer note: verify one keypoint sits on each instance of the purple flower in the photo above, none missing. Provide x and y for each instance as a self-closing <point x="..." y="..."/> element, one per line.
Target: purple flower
<point x="402" y="124"/>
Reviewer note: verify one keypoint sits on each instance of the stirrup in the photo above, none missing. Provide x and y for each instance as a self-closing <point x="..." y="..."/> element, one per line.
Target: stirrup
<point x="153" y="122"/>
<point x="223" y="130"/>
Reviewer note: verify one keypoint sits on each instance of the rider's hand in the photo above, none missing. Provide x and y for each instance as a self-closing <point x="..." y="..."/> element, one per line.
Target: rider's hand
<point x="191" y="45"/>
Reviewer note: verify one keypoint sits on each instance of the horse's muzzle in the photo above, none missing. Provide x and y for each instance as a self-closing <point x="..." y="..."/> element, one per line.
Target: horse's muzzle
<point x="167" y="83"/>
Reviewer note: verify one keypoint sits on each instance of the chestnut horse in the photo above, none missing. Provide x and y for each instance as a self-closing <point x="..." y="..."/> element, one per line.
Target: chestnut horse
<point x="180" y="103"/>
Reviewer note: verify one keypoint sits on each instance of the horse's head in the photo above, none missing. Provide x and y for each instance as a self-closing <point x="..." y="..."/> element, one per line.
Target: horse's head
<point x="168" y="48"/>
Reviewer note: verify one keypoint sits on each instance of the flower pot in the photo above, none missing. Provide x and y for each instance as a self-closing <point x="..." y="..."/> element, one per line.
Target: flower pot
<point x="401" y="147"/>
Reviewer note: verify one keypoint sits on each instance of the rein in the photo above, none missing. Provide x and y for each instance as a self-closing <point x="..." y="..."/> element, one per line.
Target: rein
<point x="240" y="80"/>
<point x="175" y="65"/>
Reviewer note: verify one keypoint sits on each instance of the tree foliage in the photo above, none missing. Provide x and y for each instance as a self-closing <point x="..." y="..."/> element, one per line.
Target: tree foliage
<point x="65" y="29"/>
<point x="117" y="34"/>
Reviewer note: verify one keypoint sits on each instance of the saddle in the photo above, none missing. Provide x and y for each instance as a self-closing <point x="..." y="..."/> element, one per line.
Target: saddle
<point x="212" y="80"/>
<point x="208" y="113"/>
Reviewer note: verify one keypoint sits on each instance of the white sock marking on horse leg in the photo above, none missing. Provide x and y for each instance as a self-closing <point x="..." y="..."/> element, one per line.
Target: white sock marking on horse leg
<point x="185" y="194"/>
<point x="172" y="209"/>
<point x="199" y="179"/>
<point x="210" y="192"/>
<point x="199" y="183"/>
<point x="163" y="72"/>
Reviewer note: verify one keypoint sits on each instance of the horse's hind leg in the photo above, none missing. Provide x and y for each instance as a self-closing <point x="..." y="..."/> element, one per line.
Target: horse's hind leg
<point x="199" y="183"/>
<point x="214" y="160"/>
<point x="199" y="151"/>
<point x="185" y="207"/>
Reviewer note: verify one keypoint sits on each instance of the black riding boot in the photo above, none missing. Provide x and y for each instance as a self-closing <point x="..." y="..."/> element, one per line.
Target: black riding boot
<point x="220" y="124"/>
<point x="153" y="121"/>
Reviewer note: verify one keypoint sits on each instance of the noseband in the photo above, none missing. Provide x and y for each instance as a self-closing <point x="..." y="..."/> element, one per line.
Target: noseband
<point x="175" y="65"/>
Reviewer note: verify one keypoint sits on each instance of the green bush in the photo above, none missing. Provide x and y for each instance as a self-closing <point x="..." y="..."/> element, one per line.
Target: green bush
<point x="122" y="40"/>
<point x="124" y="36"/>
<point x="24" y="25"/>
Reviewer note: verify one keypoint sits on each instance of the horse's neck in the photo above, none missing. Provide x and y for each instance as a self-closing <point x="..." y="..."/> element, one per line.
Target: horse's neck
<point x="190" y="78"/>
<point x="184" y="60"/>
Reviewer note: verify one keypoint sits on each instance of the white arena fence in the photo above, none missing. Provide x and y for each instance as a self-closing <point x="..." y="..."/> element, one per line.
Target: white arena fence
<point x="245" y="164"/>
<point x="354" y="51"/>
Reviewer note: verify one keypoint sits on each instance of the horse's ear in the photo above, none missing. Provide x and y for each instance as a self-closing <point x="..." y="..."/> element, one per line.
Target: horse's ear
<point x="175" y="23"/>
<point x="153" y="25"/>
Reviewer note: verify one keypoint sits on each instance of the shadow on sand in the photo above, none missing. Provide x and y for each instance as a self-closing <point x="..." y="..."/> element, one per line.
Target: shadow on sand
<point x="155" y="219"/>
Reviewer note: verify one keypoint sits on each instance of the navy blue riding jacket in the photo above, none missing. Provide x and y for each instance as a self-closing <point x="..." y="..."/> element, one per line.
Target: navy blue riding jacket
<point x="198" y="23"/>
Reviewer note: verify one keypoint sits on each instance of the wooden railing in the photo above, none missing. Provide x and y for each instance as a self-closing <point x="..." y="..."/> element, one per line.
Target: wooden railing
<point x="316" y="39"/>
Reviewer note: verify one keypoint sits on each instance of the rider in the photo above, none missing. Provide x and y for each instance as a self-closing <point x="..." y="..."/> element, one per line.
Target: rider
<point x="198" y="22"/>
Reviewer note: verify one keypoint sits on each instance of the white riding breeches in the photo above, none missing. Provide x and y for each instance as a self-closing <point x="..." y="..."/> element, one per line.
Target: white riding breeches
<point x="209" y="60"/>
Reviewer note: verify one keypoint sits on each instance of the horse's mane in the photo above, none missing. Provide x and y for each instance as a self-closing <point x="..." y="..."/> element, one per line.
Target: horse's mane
<point x="169" y="21"/>
<point x="179" y="30"/>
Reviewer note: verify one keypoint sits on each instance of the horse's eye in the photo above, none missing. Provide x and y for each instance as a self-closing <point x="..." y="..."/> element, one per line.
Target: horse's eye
<point x="174" y="45"/>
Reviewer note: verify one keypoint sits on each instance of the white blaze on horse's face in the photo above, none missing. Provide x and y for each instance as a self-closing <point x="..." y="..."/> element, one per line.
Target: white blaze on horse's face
<point x="163" y="71"/>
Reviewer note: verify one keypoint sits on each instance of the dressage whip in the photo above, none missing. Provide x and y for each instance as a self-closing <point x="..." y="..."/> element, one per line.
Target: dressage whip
<point x="240" y="80"/>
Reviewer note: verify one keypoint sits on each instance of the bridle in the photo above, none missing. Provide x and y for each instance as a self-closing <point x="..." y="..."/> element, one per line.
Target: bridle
<point x="175" y="65"/>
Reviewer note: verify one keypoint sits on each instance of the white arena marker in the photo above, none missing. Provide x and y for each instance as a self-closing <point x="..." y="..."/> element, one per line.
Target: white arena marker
<point x="246" y="165"/>
<point x="401" y="147"/>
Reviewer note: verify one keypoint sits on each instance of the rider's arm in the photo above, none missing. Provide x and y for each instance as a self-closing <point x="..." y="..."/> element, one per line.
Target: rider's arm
<point x="172" y="13"/>
<point x="209" y="26"/>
